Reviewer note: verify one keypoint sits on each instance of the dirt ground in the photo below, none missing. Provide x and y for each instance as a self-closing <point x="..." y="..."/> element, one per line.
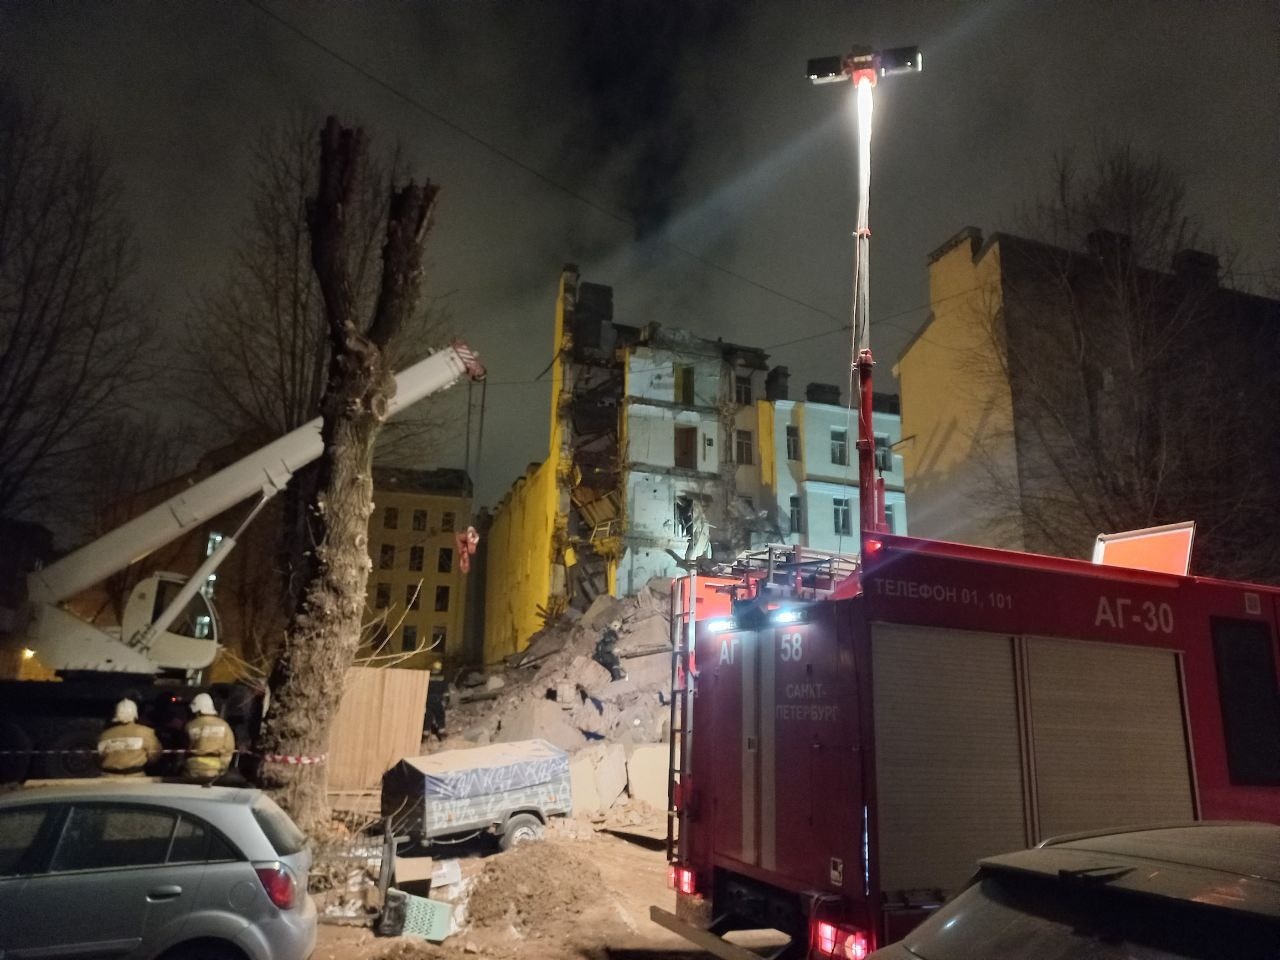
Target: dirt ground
<point x="557" y="899"/>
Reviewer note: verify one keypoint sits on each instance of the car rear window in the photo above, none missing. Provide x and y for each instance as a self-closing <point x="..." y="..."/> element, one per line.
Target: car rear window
<point x="283" y="833"/>
<point x="1023" y="917"/>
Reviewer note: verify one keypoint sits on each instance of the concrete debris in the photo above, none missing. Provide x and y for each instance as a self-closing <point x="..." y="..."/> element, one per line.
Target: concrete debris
<point x="556" y="691"/>
<point x="647" y="773"/>
<point x="598" y="775"/>
<point x="539" y="719"/>
<point x="604" y="610"/>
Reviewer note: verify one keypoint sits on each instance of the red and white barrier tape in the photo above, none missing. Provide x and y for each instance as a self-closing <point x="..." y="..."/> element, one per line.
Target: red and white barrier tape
<point x="284" y="758"/>
<point x="291" y="759"/>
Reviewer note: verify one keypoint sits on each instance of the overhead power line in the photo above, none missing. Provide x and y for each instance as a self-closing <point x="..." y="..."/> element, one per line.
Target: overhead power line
<point x="511" y="158"/>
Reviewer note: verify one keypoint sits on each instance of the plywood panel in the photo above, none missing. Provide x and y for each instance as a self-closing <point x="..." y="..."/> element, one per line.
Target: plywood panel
<point x="379" y="723"/>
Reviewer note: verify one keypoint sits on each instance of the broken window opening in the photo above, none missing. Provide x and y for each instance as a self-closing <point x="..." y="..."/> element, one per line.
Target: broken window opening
<point x="686" y="447"/>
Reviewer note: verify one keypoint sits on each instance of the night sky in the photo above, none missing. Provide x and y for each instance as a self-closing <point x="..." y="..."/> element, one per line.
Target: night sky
<point x="673" y="150"/>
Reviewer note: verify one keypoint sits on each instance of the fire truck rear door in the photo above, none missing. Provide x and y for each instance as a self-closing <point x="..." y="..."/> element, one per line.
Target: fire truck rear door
<point x="949" y="773"/>
<point x="1108" y="736"/>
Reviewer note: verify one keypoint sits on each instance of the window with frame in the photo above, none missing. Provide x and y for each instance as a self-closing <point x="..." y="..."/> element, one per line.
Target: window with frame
<point x="447" y="520"/>
<point x="18" y="831"/>
<point x="842" y="516"/>
<point x="444" y="560"/>
<point x="793" y="443"/>
<point x="797" y="516"/>
<point x="442" y="599"/>
<point x="1244" y="653"/>
<point x="742" y="390"/>
<point x="413" y="596"/>
<point x="884" y="454"/>
<point x="382" y="596"/>
<point x="99" y="836"/>
<point x="387" y="556"/>
<point x="684" y="385"/>
<point x="419" y="520"/>
<point x="417" y="556"/>
<point x="840" y="447"/>
<point x="390" y="518"/>
<point x="891" y="517"/>
<point x="437" y="637"/>
<point x="409" y="638"/>
<point x="686" y="447"/>
<point x="194" y="842"/>
<point x="744" y="447"/>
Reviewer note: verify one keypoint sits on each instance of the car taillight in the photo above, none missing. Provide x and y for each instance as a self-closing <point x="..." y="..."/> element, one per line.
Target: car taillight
<point x="832" y="940"/>
<point x="681" y="879"/>
<point x="278" y="882"/>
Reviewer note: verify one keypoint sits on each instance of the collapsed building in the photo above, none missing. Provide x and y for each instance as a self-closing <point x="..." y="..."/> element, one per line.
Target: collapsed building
<point x="665" y="449"/>
<point x="614" y="721"/>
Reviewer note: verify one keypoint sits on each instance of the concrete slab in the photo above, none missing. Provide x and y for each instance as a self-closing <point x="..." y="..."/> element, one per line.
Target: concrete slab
<point x="647" y="773"/>
<point x="582" y="781"/>
<point x="611" y="773"/>
<point x="650" y="671"/>
<point x="536" y="719"/>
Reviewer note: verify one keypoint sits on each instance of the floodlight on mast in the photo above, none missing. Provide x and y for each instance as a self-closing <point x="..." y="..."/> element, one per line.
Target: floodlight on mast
<point x="862" y="66"/>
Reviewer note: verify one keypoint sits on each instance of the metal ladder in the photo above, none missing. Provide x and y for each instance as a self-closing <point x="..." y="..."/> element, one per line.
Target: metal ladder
<point x="683" y="611"/>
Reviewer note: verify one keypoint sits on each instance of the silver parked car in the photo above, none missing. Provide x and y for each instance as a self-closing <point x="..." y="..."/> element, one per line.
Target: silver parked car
<point x="1209" y="891"/>
<point x="152" y="870"/>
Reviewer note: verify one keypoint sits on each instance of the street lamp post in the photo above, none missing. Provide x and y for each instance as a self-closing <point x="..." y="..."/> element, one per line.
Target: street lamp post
<point x="862" y="66"/>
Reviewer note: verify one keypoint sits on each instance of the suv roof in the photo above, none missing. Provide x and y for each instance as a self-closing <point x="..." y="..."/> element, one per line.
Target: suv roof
<point x="1182" y="862"/>
<point x="118" y="790"/>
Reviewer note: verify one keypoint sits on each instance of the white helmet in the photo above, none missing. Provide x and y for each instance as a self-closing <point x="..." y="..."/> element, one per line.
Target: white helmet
<point x="615" y="625"/>
<point x="202" y="703"/>
<point x="126" y="711"/>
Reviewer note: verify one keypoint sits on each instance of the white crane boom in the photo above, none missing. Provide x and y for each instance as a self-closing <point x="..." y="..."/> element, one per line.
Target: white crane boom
<point x="267" y="469"/>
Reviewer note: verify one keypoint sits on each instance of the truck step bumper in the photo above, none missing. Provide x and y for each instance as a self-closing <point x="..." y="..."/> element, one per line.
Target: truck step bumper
<point x="705" y="939"/>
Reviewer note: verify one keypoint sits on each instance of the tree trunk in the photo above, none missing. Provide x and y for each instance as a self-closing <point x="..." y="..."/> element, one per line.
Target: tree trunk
<point x="308" y="678"/>
<point x="324" y="634"/>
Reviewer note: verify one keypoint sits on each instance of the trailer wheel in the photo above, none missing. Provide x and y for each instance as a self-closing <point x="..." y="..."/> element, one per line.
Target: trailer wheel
<point x="72" y="752"/>
<point x="15" y="753"/>
<point x="521" y="827"/>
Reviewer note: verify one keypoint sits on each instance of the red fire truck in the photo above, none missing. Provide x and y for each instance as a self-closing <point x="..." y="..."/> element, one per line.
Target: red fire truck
<point x="848" y="742"/>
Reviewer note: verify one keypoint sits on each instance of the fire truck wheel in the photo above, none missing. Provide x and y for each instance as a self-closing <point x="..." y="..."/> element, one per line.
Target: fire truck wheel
<point x="71" y="752"/>
<point x="521" y="827"/>
<point x="15" y="753"/>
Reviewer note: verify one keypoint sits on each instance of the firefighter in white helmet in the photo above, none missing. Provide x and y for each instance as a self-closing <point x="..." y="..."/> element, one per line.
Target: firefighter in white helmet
<point x="210" y="742"/>
<point x="127" y="746"/>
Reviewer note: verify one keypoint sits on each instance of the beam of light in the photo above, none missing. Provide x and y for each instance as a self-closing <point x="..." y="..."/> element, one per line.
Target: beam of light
<point x="862" y="259"/>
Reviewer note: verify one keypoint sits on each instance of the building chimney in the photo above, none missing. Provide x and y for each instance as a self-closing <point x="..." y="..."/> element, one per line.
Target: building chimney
<point x="827" y="393"/>
<point x="775" y="384"/>
<point x="1196" y="267"/>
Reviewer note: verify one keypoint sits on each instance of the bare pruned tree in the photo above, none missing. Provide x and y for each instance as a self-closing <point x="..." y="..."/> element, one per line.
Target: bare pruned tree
<point x="324" y="633"/>
<point x="1127" y="365"/>
<point x="71" y="326"/>
<point x="260" y="347"/>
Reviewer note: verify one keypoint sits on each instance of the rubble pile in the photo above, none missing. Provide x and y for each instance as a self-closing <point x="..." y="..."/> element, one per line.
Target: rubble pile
<point x="537" y="900"/>
<point x="612" y="719"/>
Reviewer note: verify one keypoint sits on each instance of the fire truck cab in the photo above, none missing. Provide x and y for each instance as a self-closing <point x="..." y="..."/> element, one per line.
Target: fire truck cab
<point x="848" y="742"/>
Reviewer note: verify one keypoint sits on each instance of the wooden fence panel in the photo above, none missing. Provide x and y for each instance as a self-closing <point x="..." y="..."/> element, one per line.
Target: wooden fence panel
<point x="379" y="723"/>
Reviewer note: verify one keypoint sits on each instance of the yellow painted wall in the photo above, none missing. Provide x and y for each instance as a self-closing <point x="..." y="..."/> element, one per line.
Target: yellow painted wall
<point x="441" y="512"/>
<point x="524" y="573"/>
<point x="519" y="559"/>
<point x="956" y="406"/>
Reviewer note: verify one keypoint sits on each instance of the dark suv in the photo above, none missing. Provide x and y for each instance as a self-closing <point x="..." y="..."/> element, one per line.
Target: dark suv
<point x="149" y="870"/>
<point x="1208" y="890"/>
